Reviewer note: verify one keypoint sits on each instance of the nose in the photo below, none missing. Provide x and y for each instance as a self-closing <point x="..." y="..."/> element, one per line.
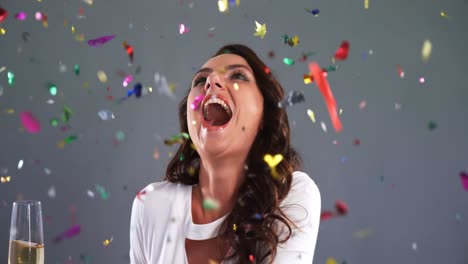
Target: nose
<point x="213" y="81"/>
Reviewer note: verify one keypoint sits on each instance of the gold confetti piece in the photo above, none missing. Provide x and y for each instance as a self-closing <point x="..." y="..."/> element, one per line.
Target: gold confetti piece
<point x="5" y="179"/>
<point x="260" y="30"/>
<point x="362" y="233"/>
<point x="211" y="261"/>
<point x="2" y="31"/>
<point x="366" y="4"/>
<point x="102" y="76"/>
<point x="10" y="111"/>
<point x="311" y="115"/>
<point x="443" y="14"/>
<point x="426" y="50"/>
<point x="234" y="227"/>
<point x="107" y="241"/>
<point x="331" y="261"/>
<point x="236" y="86"/>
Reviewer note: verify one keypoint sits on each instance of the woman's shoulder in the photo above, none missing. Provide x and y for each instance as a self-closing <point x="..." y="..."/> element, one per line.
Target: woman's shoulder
<point x="157" y="195"/>
<point x="302" y="182"/>
<point x="304" y="194"/>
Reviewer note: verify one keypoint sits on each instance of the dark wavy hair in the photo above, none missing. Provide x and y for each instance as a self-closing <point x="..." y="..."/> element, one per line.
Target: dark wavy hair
<point x="257" y="211"/>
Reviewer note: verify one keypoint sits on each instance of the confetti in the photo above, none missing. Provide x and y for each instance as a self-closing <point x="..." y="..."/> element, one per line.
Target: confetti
<point x="366" y="4"/>
<point x="260" y="30"/>
<point x="288" y="61"/>
<point x="66" y="115"/>
<point x="128" y="50"/>
<point x="210" y="204"/>
<point x="11" y="78"/>
<point x="464" y="180"/>
<point x="5" y="179"/>
<point x="30" y="122"/>
<point x="400" y="71"/>
<point x="51" y="192"/>
<point x="21" y="16"/>
<point x="137" y="90"/>
<point x="292" y="98"/>
<point x="324" y="127"/>
<point x="324" y="88"/>
<point x="106" y="115"/>
<point x="272" y="162"/>
<point x="90" y="193"/>
<point x="52" y="89"/>
<point x="71" y="232"/>
<point x="431" y="125"/>
<point x="103" y="77"/>
<point x="222" y="6"/>
<point x="341" y="207"/>
<point x="306" y="55"/>
<point x="331" y="261"/>
<point x="76" y="69"/>
<point x="120" y="136"/>
<point x="310" y="113"/>
<point x="196" y="102"/>
<point x="179" y="138"/>
<point x="3" y="14"/>
<point x="97" y="42"/>
<point x="342" y="52"/>
<point x="2" y="31"/>
<point x="422" y="80"/>
<point x="183" y="29"/>
<point x="414" y="246"/>
<point x="362" y="104"/>
<point x="443" y="14"/>
<point x="291" y="41"/>
<point x="107" y="242"/>
<point x="314" y="12"/>
<point x="251" y="258"/>
<point x="104" y="194"/>
<point x="162" y="86"/>
<point x="426" y="50"/>
<point x="20" y="164"/>
<point x="127" y="80"/>
<point x="54" y="122"/>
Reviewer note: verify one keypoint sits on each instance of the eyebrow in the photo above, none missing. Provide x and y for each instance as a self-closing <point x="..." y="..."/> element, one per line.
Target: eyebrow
<point x="229" y="67"/>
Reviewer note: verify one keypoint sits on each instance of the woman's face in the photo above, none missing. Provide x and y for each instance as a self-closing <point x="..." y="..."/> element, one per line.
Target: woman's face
<point x="224" y="107"/>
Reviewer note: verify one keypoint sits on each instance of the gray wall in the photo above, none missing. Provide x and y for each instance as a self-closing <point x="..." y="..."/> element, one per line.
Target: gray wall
<point x="401" y="183"/>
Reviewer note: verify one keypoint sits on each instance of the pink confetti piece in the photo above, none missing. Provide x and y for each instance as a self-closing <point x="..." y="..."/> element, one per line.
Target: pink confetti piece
<point x="196" y="102"/>
<point x="100" y="41"/>
<point x="30" y="122"/>
<point x="464" y="180"/>
<point x="21" y="16"/>
<point x="71" y="232"/>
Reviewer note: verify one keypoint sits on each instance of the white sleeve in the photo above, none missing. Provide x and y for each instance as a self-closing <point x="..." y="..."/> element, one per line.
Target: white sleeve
<point x="137" y="252"/>
<point x="300" y="247"/>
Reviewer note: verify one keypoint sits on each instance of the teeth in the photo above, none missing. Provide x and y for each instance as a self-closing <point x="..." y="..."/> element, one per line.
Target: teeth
<point x="214" y="100"/>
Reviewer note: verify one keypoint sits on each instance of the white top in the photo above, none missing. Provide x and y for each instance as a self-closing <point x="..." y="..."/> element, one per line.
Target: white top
<point x="162" y="218"/>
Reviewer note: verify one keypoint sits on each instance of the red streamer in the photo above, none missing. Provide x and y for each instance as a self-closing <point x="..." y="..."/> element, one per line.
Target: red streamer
<point x="324" y="88"/>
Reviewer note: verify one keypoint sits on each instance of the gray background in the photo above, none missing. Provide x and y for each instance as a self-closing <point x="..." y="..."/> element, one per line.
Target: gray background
<point x="401" y="183"/>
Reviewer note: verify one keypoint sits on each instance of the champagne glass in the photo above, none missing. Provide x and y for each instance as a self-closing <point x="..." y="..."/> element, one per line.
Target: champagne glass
<point x="26" y="236"/>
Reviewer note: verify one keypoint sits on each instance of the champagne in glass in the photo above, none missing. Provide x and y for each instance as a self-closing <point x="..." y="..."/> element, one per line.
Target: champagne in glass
<point x="26" y="236"/>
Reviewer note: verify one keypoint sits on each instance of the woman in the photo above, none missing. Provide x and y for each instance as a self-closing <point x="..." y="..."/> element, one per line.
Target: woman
<point x="220" y="202"/>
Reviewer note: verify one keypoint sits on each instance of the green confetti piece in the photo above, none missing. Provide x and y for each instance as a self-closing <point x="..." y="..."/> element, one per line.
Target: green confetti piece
<point x="331" y="68"/>
<point x="52" y="89"/>
<point x="86" y="259"/>
<point x="120" y="136"/>
<point x="210" y="204"/>
<point x="54" y="122"/>
<point x="70" y="139"/>
<point x="66" y="115"/>
<point x="76" y="69"/>
<point x="431" y="125"/>
<point x="181" y="157"/>
<point x="11" y="78"/>
<point x="104" y="194"/>
<point x="288" y="61"/>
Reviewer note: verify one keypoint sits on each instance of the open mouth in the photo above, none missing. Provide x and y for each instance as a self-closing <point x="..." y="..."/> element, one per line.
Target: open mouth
<point x="216" y="112"/>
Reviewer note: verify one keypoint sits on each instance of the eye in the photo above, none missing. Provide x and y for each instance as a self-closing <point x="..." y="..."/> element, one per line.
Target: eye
<point x="198" y="80"/>
<point x="239" y="75"/>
